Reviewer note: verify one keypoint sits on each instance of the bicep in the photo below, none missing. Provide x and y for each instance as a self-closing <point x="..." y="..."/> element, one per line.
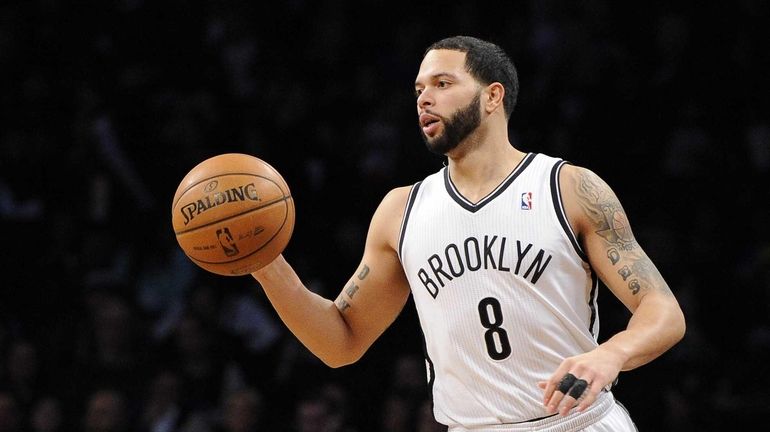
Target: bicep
<point x="608" y="240"/>
<point x="377" y="292"/>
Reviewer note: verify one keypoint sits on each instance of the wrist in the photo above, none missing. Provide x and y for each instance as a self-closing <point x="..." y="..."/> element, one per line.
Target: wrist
<point x="616" y="352"/>
<point x="265" y="271"/>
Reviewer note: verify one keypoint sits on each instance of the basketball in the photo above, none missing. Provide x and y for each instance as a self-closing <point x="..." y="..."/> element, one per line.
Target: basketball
<point x="233" y="214"/>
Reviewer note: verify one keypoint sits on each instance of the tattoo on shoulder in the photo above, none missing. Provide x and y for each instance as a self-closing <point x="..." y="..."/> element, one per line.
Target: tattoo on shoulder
<point x="609" y="221"/>
<point x="605" y="213"/>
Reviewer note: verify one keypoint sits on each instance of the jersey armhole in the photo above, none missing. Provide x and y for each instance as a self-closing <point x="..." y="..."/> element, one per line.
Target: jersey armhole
<point x="561" y="214"/>
<point x="405" y="219"/>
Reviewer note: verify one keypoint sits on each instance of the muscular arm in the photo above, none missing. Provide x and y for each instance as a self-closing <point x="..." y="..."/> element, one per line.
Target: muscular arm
<point x="657" y="322"/>
<point x="340" y="332"/>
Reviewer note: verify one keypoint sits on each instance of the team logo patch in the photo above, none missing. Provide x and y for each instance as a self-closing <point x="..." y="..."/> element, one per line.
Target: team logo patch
<point x="526" y="201"/>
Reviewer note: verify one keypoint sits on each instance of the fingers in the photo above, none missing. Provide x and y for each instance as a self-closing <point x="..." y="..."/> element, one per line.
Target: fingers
<point x="589" y="396"/>
<point x="550" y="386"/>
<point x="564" y="394"/>
<point x="577" y="389"/>
<point x="567" y="382"/>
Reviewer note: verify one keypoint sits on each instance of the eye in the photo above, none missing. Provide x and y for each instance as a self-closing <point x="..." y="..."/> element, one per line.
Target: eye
<point x="417" y="92"/>
<point x="442" y="84"/>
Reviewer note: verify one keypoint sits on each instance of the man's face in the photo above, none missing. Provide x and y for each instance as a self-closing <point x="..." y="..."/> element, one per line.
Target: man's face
<point x="448" y="100"/>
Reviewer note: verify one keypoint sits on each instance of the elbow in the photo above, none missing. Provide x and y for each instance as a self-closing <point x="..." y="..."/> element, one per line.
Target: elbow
<point x="340" y="358"/>
<point x="681" y="327"/>
<point x="336" y="364"/>
<point x="673" y="329"/>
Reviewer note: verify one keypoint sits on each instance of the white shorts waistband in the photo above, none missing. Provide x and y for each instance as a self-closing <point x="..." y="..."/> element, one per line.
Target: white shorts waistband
<point x="574" y="421"/>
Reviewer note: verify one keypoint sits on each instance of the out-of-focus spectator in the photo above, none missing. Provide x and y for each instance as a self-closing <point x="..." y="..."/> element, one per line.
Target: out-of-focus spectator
<point x="111" y="352"/>
<point x="205" y="362"/>
<point x="242" y="411"/>
<point x="322" y="409"/>
<point x="407" y="390"/>
<point x="106" y="411"/>
<point x="162" y="408"/>
<point x="10" y="417"/>
<point x="22" y="372"/>
<point x="426" y="421"/>
<point x="47" y="415"/>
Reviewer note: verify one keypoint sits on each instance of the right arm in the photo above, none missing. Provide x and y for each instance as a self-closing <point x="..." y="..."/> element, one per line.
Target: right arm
<point x="340" y="332"/>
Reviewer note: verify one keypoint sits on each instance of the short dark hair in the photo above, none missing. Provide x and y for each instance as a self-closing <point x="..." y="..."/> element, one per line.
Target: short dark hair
<point x="486" y="62"/>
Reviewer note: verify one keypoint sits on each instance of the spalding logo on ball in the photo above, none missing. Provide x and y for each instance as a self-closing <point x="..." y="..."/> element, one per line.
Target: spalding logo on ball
<point x="233" y="214"/>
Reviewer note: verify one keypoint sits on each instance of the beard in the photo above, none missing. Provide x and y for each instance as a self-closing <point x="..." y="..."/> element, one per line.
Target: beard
<point x="456" y="128"/>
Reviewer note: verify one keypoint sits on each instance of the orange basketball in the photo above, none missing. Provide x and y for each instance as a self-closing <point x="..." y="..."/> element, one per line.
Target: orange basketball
<point x="233" y="214"/>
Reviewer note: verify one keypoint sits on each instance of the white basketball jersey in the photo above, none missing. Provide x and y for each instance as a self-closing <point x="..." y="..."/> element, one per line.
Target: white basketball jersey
<point x="503" y="292"/>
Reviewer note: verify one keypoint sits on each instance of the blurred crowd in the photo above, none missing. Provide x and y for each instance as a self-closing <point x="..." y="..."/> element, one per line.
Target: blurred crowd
<point x="105" y="325"/>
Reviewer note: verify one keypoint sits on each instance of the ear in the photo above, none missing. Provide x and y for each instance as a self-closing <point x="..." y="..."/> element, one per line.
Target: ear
<point x="493" y="97"/>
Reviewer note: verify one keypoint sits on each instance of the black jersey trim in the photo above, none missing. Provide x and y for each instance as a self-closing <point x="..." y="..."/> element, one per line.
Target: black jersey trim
<point x="474" y="207"/>
<point x="531" y="420"/>
<point x="592" y="304"/>
<point x="431" y="369"/>
<point x="561" y="214"/>
<point x="407" y="212"/>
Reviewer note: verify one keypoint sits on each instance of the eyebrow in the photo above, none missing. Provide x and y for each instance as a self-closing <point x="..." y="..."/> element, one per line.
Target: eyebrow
<point x="438" y="75"/>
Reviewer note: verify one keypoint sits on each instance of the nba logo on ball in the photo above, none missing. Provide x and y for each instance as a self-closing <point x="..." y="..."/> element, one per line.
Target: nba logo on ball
<point x="526" y="201"/>
<point x="226" y="241"/>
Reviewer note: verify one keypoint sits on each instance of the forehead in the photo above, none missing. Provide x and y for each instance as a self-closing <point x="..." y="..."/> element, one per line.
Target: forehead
<point x="442" y="62"/>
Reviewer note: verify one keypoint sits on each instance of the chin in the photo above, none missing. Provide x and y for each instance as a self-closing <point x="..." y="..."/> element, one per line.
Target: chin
<point x="431" y="142"/>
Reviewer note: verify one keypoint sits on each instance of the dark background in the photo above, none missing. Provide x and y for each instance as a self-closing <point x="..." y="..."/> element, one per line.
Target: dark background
<point x="106" y="105"/>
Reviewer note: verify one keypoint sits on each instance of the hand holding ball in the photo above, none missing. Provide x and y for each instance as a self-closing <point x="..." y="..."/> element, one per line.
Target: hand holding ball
<point x="233" y="214"/>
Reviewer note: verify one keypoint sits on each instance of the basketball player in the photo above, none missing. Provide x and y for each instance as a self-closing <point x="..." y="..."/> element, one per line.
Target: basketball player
<point x="502" y="251"/>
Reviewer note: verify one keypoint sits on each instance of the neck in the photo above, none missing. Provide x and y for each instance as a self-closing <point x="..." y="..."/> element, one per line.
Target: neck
<point x="482" y="162"/>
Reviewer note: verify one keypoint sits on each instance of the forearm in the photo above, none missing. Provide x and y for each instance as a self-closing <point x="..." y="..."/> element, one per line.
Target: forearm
<point x="314" y="320"/>
<point x="656" y="325"/>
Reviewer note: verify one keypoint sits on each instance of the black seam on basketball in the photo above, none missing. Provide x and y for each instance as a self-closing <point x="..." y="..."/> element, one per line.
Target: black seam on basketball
<point x="268" y="204"/>
<point x="173" y="205"/>
<point x="278" y="231"/>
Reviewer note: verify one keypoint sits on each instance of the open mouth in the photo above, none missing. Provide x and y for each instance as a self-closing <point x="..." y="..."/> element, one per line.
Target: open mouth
<point x="429" y="124"/>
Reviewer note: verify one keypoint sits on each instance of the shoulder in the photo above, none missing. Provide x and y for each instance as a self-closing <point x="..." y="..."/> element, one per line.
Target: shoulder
<point x="586" y="196"/>
<point x="386" y="222"/>
<point x="570" y="175"/>
<point x="395" y="201"/>
<point x="577" y="181"/>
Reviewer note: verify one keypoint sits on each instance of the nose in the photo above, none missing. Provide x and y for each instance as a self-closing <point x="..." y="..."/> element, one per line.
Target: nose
<point x="425" y="99"/>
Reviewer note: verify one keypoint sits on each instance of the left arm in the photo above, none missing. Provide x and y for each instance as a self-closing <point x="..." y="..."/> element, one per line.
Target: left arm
<point x="657" y="321"/>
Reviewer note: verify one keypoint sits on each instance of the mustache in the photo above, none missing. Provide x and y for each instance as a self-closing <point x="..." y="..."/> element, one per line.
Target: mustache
<point x="443" y="119"/>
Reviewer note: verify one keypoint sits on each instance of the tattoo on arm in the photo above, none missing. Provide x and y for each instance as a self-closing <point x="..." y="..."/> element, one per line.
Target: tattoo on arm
<point x="351" y="289"/>
<point x="634" y="286"/>
<point x="624" y="272"/>
<point x="605" y="213"/>
<point x="608" y="220"/>
<point x="364" y="271"/>
<point x="342" y="303"/>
